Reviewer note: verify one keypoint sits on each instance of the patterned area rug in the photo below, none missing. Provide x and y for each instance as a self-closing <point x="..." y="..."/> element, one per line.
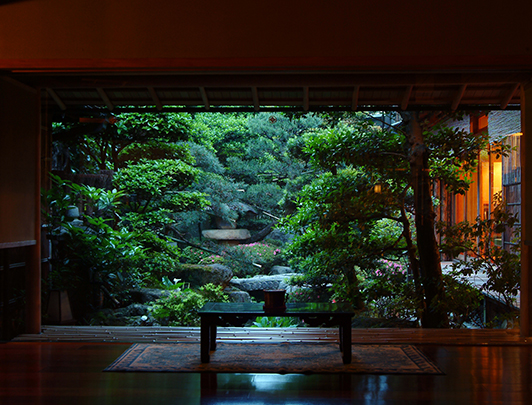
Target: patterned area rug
<point x="280" y="358"/>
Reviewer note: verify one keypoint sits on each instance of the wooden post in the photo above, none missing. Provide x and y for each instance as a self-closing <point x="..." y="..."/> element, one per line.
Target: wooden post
<point x="526" y="209"/>
<point x="20" y="168"/>
<point x="33" y="266"/>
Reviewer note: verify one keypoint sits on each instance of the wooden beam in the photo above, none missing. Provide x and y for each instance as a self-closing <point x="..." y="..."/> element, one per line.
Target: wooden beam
<point x="354" y="101"/>
<point x="305" y="98"/>
<point x="268" y="80"/>
<point x="406" y="97"/>
<point x="526" y="211"/>
<point x="57" y="99"/>
<point x="205" y="98"/>
<point x="255" y="93"/>
<point x="508" y="97"/>
<point x="155" y="98"/>
<point x="458" y="97"/>
<point x="105" y="98"/>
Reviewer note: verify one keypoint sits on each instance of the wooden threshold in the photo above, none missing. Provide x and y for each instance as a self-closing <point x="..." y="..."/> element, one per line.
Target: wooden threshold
<point x="161" y="334"/>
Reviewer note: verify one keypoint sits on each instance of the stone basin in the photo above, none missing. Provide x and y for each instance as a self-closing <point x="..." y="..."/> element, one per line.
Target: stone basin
<point x="226" y="235"/>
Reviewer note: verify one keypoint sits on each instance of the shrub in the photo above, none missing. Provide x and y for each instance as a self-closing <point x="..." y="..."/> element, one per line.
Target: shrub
<point x="276" y="322"/>
<point x="180" y="307"/>
<point x="254" y="258"/>
<point x="264" y="195"/>
<point x="500" y="267"/>
<point x="307" y="295"/>
<point x="197" y="256"/>
<point x="462" y="299"/>
<point x="389" y="292"/>
<point x="155" y="150"/>
<point x="213" y="293"/>
<point x="309" y="288"/>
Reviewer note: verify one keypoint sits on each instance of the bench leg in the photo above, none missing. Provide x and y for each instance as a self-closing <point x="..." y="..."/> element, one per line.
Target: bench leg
<point x="345" y="342"/>
<point x="212" y="337"/>
<point x="205" y="332"/>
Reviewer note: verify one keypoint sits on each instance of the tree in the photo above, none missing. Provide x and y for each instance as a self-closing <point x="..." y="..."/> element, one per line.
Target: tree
<point x="338" y="228"/>
<point x="96" y="143"/>
<point x="402" y="163"/>
<point x="248" y="164"/>
<point x="500" y="266"/>
<point x="156" y="190"/>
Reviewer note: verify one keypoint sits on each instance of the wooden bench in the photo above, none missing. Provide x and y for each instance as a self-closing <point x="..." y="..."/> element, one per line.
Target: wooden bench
<point x="215" y="314"/>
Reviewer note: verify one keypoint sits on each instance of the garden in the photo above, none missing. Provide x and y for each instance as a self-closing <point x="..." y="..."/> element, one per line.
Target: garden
<point x="149" y="216"/>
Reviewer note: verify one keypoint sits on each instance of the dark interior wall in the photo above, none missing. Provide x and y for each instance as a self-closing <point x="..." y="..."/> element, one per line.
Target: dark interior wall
<point x="212" y="34"/>
<point x="19" y="131"/>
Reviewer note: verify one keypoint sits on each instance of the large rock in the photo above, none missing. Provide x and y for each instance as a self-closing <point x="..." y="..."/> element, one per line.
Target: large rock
<point x="132" y="310"/>
<point x="239" y="296"/>
<point x="226" y="234"/>
<point x="280" y="236"/>
<point x="145" y="295"/>
<point x="255" y="286"/>
<point x="258" y="283"/>
<point x="199" y="275"/>
<point x="281" y="270"/>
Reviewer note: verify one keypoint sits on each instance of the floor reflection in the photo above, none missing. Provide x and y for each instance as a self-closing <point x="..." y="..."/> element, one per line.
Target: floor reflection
<point x="289" y="389"/>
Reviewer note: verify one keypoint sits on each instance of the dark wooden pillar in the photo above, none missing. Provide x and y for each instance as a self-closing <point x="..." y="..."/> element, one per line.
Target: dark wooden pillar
<point x="526" y="210"/>
<point x="20" y="167"/>
<point x="33" y="266"/>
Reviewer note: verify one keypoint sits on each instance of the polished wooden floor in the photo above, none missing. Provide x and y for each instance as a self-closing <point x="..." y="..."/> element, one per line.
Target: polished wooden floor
<point x="481" y="367"/>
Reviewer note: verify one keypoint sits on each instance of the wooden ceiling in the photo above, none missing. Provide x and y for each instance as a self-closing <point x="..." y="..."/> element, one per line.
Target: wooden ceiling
<point x="80" y="93"/>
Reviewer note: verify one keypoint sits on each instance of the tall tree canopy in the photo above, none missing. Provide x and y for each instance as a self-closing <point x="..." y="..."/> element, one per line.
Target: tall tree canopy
<point x="375" y="174"/>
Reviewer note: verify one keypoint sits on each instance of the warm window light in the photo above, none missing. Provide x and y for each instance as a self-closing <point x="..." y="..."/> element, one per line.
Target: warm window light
<point x="377" y="188"/>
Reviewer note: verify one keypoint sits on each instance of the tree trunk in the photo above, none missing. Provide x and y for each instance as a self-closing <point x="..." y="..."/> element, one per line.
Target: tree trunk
<point x="414" y="262"/>
<point x="260" y="235"/>
<point x="435" y="315"/>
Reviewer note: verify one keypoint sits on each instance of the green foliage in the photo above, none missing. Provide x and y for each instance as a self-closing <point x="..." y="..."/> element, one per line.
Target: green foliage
<point x="174" y="284"/>
<point x="92" y="250"/>
<point x="266" y="196"/>
<point x="197" y="256"/>
<point x="500" y="267"/>
<point x="276" y="322"/>
<point x="244" y="260"/>
<point x="258" y="167"/>
<point x="462" y="299"/>
<point x="224" y="195"/>
<point x="104" y="252"/>
<point x="154" y="150"/>
<point x="149" y="180"/>
<point x="98" y="145"/>
<point x="151" y="221"/>
<point x="205" y="158"/>
<point x="158" y="257"/>
<point x="389" y="292"/>
<point x="220" y="132"/>
<point x="213" y="293"/>
<point x="338" y="229"/>
<point x="267" y="156"/>
<point x="180" y="307"/>
<point x="454" y="155"/>
<point x="64" y="195"/>
<point x="156" y="193"/>
<point x="152" y="126"/>
<point x="309" y="291"/>
<point x="362" y="208"/>
<point x="360" y="143"/>
<point x="245" y="171"/>
<point x="253" y="258"/>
